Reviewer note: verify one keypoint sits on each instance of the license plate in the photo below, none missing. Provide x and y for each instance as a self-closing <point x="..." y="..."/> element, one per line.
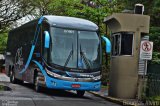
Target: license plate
<point x="76" y="85"/>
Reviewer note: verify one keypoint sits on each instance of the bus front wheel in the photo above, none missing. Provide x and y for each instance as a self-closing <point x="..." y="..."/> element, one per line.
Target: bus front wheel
<point x="80" y="93"/>
<point x="36" y="84"/>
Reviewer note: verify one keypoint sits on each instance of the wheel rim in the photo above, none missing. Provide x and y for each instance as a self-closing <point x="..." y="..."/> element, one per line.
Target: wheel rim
<point x="11" y="76"/>
<point x="36" y="84"/>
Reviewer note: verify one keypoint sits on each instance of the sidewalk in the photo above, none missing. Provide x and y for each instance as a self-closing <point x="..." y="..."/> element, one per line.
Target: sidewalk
<point x="103" y="93"/>
<point x="4" y="78"/>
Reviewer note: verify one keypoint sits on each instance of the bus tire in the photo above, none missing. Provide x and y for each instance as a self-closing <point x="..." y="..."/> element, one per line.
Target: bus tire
<point x="9" y="69"/>
<point x="20" y="81"/>
<point x="37" y="87"/>
<point x="12" y="77"/>
<point x="80" y="93"/>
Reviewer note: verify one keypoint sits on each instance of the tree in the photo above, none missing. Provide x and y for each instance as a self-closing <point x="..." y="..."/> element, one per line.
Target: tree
<point x="81" y="9"/>
<point x="12" y="10"/>
<point x="155" y="13"/>
<point x="40" y="7"/>
<point x="3" y="42"/>
<point x="151" y="7"/>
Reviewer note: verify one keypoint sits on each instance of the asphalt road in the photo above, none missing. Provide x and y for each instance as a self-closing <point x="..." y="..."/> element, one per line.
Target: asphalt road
<point x="24" y="95"/>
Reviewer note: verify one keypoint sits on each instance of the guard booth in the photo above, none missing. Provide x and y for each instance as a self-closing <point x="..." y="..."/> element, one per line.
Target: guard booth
<point x="127" y="31"/>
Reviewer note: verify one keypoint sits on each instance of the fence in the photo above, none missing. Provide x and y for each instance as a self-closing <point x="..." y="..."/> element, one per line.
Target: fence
<point x="153" y="81"/>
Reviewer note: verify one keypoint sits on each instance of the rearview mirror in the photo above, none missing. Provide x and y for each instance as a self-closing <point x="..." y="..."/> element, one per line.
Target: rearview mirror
<point x="108" y="44"/>
<point x="47" y="39"/>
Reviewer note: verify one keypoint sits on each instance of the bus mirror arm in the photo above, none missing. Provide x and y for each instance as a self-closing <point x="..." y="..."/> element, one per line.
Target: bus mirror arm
<point x="108" y="44"/>
<point x="47" y="39"/>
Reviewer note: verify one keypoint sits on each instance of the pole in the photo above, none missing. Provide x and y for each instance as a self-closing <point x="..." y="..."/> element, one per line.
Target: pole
<point x="144" y="80"/>
<point x="145" y="70"/>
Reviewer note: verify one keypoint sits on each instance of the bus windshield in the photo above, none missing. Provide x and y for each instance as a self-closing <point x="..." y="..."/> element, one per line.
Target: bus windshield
<point x="75" y="49"/>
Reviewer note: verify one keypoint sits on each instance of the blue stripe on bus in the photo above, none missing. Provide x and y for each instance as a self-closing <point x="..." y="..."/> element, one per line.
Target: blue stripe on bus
<point x="29" y="59"/>
<point x="40" y="20"/>
<point x="33" y="46"/>
<point x="41" y="67"/>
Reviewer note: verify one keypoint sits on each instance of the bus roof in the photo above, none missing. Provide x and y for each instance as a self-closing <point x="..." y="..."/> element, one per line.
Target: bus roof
<point x="71" y="22"/>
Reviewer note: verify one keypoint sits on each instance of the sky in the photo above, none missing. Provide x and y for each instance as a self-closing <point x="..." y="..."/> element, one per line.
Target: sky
<point x="23" y="21"/>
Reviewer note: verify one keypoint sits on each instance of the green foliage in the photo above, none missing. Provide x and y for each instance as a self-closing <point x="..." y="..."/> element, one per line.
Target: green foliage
<point x="76" y="8"/>
<point x="3" y="42"/>
<point x="155" y="58"/>
<point x="155" y="37"/>
<point x="1" y="88"/>
<point x="154" y="98"/>
<point x="151" y="7"/>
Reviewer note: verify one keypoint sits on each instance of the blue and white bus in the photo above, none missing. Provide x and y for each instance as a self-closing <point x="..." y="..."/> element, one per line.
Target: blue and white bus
<point x="56" y="52"/>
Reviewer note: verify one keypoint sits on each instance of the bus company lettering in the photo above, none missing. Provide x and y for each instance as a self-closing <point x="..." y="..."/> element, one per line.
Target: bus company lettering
<point x="86" y="75"/>
<point x="18" y="57"/>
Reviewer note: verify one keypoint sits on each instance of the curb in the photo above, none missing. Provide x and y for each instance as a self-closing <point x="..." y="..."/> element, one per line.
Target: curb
<point x="4" y="78"/>
<point x="114" y="100"/>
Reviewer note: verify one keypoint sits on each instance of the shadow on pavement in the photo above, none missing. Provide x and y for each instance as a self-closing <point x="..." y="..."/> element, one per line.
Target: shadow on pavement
<point x="55" y="92"/>
<point x="5" y="88"/>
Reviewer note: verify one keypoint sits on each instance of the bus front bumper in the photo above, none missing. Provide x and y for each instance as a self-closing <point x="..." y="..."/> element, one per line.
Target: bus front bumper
<point x="68" y="85"/>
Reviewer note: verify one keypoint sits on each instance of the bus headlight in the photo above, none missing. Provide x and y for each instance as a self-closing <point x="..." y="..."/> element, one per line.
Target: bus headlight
<point x="97" y="77"/>
<point x="52" y="74"/>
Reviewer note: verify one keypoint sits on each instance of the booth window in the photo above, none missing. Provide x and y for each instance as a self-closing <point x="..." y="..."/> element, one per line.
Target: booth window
<point x="122" y="44"/>
<point x="116" y="42"/>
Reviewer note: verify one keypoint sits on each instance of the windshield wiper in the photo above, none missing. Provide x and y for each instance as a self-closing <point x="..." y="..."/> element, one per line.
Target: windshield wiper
<point x="86" y="61"/>
<point x="69" y="56"/>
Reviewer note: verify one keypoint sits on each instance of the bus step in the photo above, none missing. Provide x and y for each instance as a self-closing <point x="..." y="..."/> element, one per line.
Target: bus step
<point x="40" y="74"/>
<point x="41" y="78"/>
<point x="41" y="81"/>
